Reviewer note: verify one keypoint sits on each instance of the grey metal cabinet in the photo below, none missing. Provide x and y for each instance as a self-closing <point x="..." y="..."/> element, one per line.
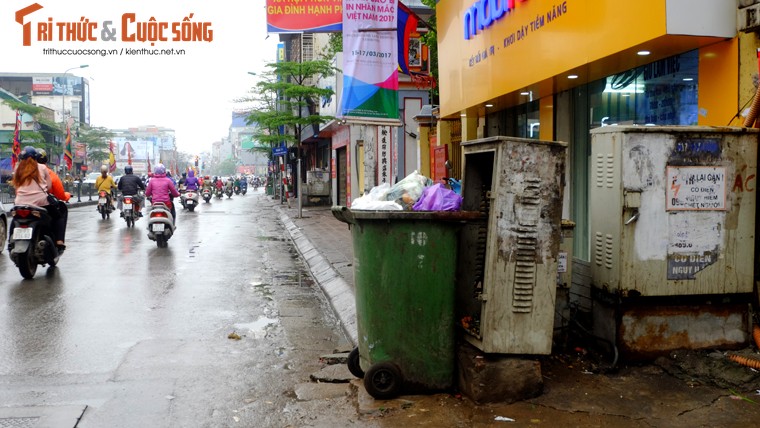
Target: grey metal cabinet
<point x="507" y="278"/>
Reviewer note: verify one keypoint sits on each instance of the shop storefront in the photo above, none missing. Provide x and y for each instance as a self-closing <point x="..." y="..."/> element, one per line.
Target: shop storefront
<point x="555" y="70"/>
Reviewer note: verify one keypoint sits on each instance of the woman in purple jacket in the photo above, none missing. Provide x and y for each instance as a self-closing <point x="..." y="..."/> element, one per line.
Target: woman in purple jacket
<point x="161" y="189"/>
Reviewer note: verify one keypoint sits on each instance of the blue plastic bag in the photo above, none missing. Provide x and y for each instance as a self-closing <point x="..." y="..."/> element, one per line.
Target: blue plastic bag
<point x="438" y="198"/>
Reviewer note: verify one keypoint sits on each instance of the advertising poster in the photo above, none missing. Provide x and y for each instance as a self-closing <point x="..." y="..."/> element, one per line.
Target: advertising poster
<point x="370" y="61"/>
<point x="304" y="16"/>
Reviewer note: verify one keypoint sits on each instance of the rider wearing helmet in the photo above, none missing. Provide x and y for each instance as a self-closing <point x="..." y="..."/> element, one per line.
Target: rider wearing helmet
<point x="32" y="182"/>
<point x="130" y="185"/>
<point x="56" y="183"/>
<point x="105" y="183"/>
<point x="161" y="189"/>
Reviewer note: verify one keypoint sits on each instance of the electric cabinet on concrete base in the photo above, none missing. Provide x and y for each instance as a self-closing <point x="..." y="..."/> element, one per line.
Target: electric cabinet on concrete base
<point x="672" y="221"/>
<point x="507" y="278"/>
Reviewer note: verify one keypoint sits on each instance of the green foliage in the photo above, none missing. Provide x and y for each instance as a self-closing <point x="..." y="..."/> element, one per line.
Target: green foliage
<point x="95" y="140"/>
<point x="430" y="39"/>
<point x="281" y="103"/>
<point x="334" y="45"/>
<point x="227" y="167"/>
<point x="23" y="107"/>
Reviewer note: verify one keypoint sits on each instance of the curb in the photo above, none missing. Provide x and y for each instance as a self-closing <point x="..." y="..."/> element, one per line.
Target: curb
<point x="336" y="289"/>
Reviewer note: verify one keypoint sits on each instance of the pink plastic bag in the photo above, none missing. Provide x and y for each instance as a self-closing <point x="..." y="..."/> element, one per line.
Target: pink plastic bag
<point x="438" y="198"/>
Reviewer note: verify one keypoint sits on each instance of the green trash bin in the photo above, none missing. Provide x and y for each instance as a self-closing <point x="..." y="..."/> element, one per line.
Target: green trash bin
<point x="404" y="276"/>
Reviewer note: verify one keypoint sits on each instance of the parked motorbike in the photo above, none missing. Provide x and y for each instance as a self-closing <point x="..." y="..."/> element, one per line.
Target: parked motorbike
<point x="206" y="194"/>
<point x="160" y="224"/>
<point x="189" y="199"/>
<point x="32" y="243"/>
<point x="105" y="207"/>
<point x="128" y="211"/>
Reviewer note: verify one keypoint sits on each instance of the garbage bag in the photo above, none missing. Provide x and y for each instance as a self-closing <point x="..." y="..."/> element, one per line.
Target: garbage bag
<point x="407" y="191"/>
<point x="375" y="200"/>
<point x="438" y="198"/>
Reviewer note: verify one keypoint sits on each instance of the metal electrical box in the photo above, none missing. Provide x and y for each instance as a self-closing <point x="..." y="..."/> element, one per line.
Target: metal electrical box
<point x="507" y="278"/>
<point x="672" y="210"/>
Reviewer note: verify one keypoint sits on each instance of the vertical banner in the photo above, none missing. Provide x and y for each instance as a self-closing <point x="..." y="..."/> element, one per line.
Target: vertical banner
<point x="111" y="157"/>
<point x="384" y="158"/>
<point x="370" y="60"/>
<point x="67" y="148"/>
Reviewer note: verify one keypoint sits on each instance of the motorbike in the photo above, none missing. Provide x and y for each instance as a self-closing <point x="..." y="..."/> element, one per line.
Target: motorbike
<point x="219" y="193"/>
<point x="160" y="224"/>
<point x="189" y="199"/>
<point x="228" y="192"/>
<point x="243" y="188"/>
<point x="206" y="194"/>
<point x="237" y="190"/>
<point x="32" y="243"/>
<point x="256" y="184"/>
<point x="105" y="207"/>
<point x="128" y="211"/>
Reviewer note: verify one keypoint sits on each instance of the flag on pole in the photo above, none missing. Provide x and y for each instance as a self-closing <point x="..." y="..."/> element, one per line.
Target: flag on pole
<point x="127" y="148"/>
<point x="111" y="157"/>
<point x="407" y="24"/>
<point x="16" y="150"/>
<point x="67" y="149"/>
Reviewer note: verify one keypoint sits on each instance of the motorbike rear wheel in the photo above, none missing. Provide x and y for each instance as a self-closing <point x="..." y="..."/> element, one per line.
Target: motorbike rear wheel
<point x="27" y="265"/>
<point x="129" y="220"/>
<point x="161" y="241"/>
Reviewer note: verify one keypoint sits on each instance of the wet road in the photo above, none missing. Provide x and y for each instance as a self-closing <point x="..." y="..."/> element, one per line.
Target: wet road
<point x="140" y="335"/>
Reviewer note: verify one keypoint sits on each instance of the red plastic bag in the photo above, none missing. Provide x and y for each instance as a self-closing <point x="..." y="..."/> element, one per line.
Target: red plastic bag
<point x="438" y="198"/>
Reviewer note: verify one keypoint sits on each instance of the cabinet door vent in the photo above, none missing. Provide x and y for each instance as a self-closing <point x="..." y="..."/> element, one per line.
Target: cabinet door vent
<point x="528" y="208"/>
<point x="608" y="248"/>
<point x="598" y="248"/>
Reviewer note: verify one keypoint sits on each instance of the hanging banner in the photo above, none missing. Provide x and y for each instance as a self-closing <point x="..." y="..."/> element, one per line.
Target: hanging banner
<point x="384" y="156"/>
<point x="370" y="61"/>
<point x="304" y="16"/>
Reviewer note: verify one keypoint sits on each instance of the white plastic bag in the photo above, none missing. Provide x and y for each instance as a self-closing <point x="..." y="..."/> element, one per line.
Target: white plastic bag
<point x="407" y="191"/>
<point x="375" y="200"/>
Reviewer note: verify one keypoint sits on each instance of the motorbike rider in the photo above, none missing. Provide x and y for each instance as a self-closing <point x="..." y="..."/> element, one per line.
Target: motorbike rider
<point x="56" y="190"/>
<point x="105" y="183"/>
<point x="130" y="185"/>
<point x="207" y="184"/>
<point x="162" y="189"/>
<point x="191" y="182"/>
<point x="33" y="183"/>
<point x="218" y="184"/>
<point x="182" y="180"/>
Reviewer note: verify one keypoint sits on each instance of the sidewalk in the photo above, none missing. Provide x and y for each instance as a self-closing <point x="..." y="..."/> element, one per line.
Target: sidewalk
<point x="326" y="246"/>
<point x="684" y="389"/>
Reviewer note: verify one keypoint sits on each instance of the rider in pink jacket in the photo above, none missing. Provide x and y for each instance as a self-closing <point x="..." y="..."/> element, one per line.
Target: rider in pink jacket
<point x="161" y="189"/>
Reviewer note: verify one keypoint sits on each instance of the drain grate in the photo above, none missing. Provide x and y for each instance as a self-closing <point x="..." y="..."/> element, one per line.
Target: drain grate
<point x="19" y="422"/>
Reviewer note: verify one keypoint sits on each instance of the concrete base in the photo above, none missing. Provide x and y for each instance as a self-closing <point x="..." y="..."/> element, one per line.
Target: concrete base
<point x="649" y="328"/>
<point x="491" y="378"/>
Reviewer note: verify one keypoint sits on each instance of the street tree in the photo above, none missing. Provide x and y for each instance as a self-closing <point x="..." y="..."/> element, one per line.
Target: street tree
<point x="44" y="130"/>
<point x="95" y="140"/>
<point x="284" y="102"/>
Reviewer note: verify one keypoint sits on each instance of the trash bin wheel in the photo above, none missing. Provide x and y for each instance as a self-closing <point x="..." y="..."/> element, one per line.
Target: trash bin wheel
<point x="353" y="364"/>
<point x="383" y="381"/>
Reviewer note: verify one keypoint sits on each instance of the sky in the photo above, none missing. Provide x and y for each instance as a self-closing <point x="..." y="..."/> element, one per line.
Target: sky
<point x="192" y="93"/>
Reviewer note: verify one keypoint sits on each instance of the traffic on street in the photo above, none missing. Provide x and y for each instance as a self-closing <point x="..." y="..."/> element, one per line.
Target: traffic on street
<point x="216" y="329"/>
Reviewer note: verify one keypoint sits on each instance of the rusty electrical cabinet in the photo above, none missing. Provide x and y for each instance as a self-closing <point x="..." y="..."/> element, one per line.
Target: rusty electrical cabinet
<point x="672" y="223"/>
<point x="507" y="278"/>
<point x="672" y="210"/>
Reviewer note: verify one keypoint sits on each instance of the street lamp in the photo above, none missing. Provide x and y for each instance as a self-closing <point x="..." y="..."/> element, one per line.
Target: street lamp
<point x="63" y="115"/>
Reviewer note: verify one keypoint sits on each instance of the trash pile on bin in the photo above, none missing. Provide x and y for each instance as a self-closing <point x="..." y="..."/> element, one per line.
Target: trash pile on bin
<point x="414" y="193"/>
